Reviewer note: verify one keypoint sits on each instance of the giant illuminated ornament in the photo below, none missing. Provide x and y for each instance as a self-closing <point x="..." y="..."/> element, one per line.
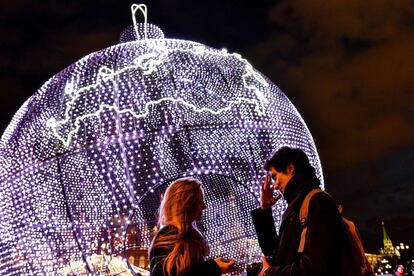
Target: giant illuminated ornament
<point x="85" y="159"/>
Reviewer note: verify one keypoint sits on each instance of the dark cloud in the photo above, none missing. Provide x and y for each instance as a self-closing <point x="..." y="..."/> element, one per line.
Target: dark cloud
<point x="351" y="75"/>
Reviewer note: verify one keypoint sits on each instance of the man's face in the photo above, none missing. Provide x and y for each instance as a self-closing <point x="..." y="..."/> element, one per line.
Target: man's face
<point x="280" y="178"/>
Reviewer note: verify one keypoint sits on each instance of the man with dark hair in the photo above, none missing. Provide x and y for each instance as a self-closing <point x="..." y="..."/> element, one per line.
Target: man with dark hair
<point x="289" y="171"/>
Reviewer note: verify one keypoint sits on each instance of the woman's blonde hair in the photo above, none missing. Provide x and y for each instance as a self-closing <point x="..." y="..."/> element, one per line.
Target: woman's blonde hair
<point x="179" y="208"/>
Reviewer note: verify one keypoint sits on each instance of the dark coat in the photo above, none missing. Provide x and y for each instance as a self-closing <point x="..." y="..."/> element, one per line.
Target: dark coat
<point x="157" y="255"/>
<point x="325" y="234"/>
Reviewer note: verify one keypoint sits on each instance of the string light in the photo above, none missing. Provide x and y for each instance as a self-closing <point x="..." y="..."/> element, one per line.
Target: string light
<point x="85" y="160"/>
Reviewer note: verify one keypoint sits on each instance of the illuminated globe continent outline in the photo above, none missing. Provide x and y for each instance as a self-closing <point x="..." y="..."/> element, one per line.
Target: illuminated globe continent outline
<point x="85" y="160"/>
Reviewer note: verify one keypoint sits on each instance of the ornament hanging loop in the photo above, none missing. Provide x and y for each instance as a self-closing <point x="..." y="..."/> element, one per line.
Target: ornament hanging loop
<point x="143" y="9"/>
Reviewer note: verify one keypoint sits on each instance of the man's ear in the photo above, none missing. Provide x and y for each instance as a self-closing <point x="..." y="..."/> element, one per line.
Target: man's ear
<point x="290" y="169"/>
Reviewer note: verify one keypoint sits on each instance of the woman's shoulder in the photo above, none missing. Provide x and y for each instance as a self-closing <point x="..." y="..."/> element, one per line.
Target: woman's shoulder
<point x="164" y="232"/>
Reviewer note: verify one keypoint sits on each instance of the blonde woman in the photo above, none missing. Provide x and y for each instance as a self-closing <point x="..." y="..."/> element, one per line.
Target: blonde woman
<point x="178" y="248"/>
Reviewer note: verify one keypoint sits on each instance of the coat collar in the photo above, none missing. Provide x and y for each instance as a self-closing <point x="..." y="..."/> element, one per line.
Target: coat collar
<point x="296" y="190"/>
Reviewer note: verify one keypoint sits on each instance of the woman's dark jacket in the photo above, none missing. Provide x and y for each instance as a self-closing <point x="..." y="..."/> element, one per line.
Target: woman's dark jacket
<point x="157" y="256"/>
<point x="325" y="234"/>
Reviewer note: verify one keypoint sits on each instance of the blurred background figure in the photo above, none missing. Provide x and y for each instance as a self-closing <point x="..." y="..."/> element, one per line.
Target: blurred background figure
<point x="400" y="271"/>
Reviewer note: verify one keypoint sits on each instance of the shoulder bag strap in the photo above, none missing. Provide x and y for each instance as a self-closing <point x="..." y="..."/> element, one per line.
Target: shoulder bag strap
<point x="303" y="217"/>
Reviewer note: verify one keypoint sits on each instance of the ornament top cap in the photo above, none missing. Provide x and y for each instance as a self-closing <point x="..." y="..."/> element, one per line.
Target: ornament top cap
<point x="140" y="31"/>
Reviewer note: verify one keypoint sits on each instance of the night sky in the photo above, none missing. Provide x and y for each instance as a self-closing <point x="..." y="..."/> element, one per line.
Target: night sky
<point x="346" y="65"/>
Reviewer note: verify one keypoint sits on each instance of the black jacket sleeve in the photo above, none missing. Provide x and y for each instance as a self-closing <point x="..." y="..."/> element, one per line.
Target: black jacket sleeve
<point x="320" y="255"/>
<point x="266" y="232"/>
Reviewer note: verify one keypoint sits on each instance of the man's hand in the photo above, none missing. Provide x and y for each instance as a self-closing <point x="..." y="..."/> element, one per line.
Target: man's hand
<point x="265" y="267"/>
<point x="267" y="199"/>
<point x="225" y="265"/>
